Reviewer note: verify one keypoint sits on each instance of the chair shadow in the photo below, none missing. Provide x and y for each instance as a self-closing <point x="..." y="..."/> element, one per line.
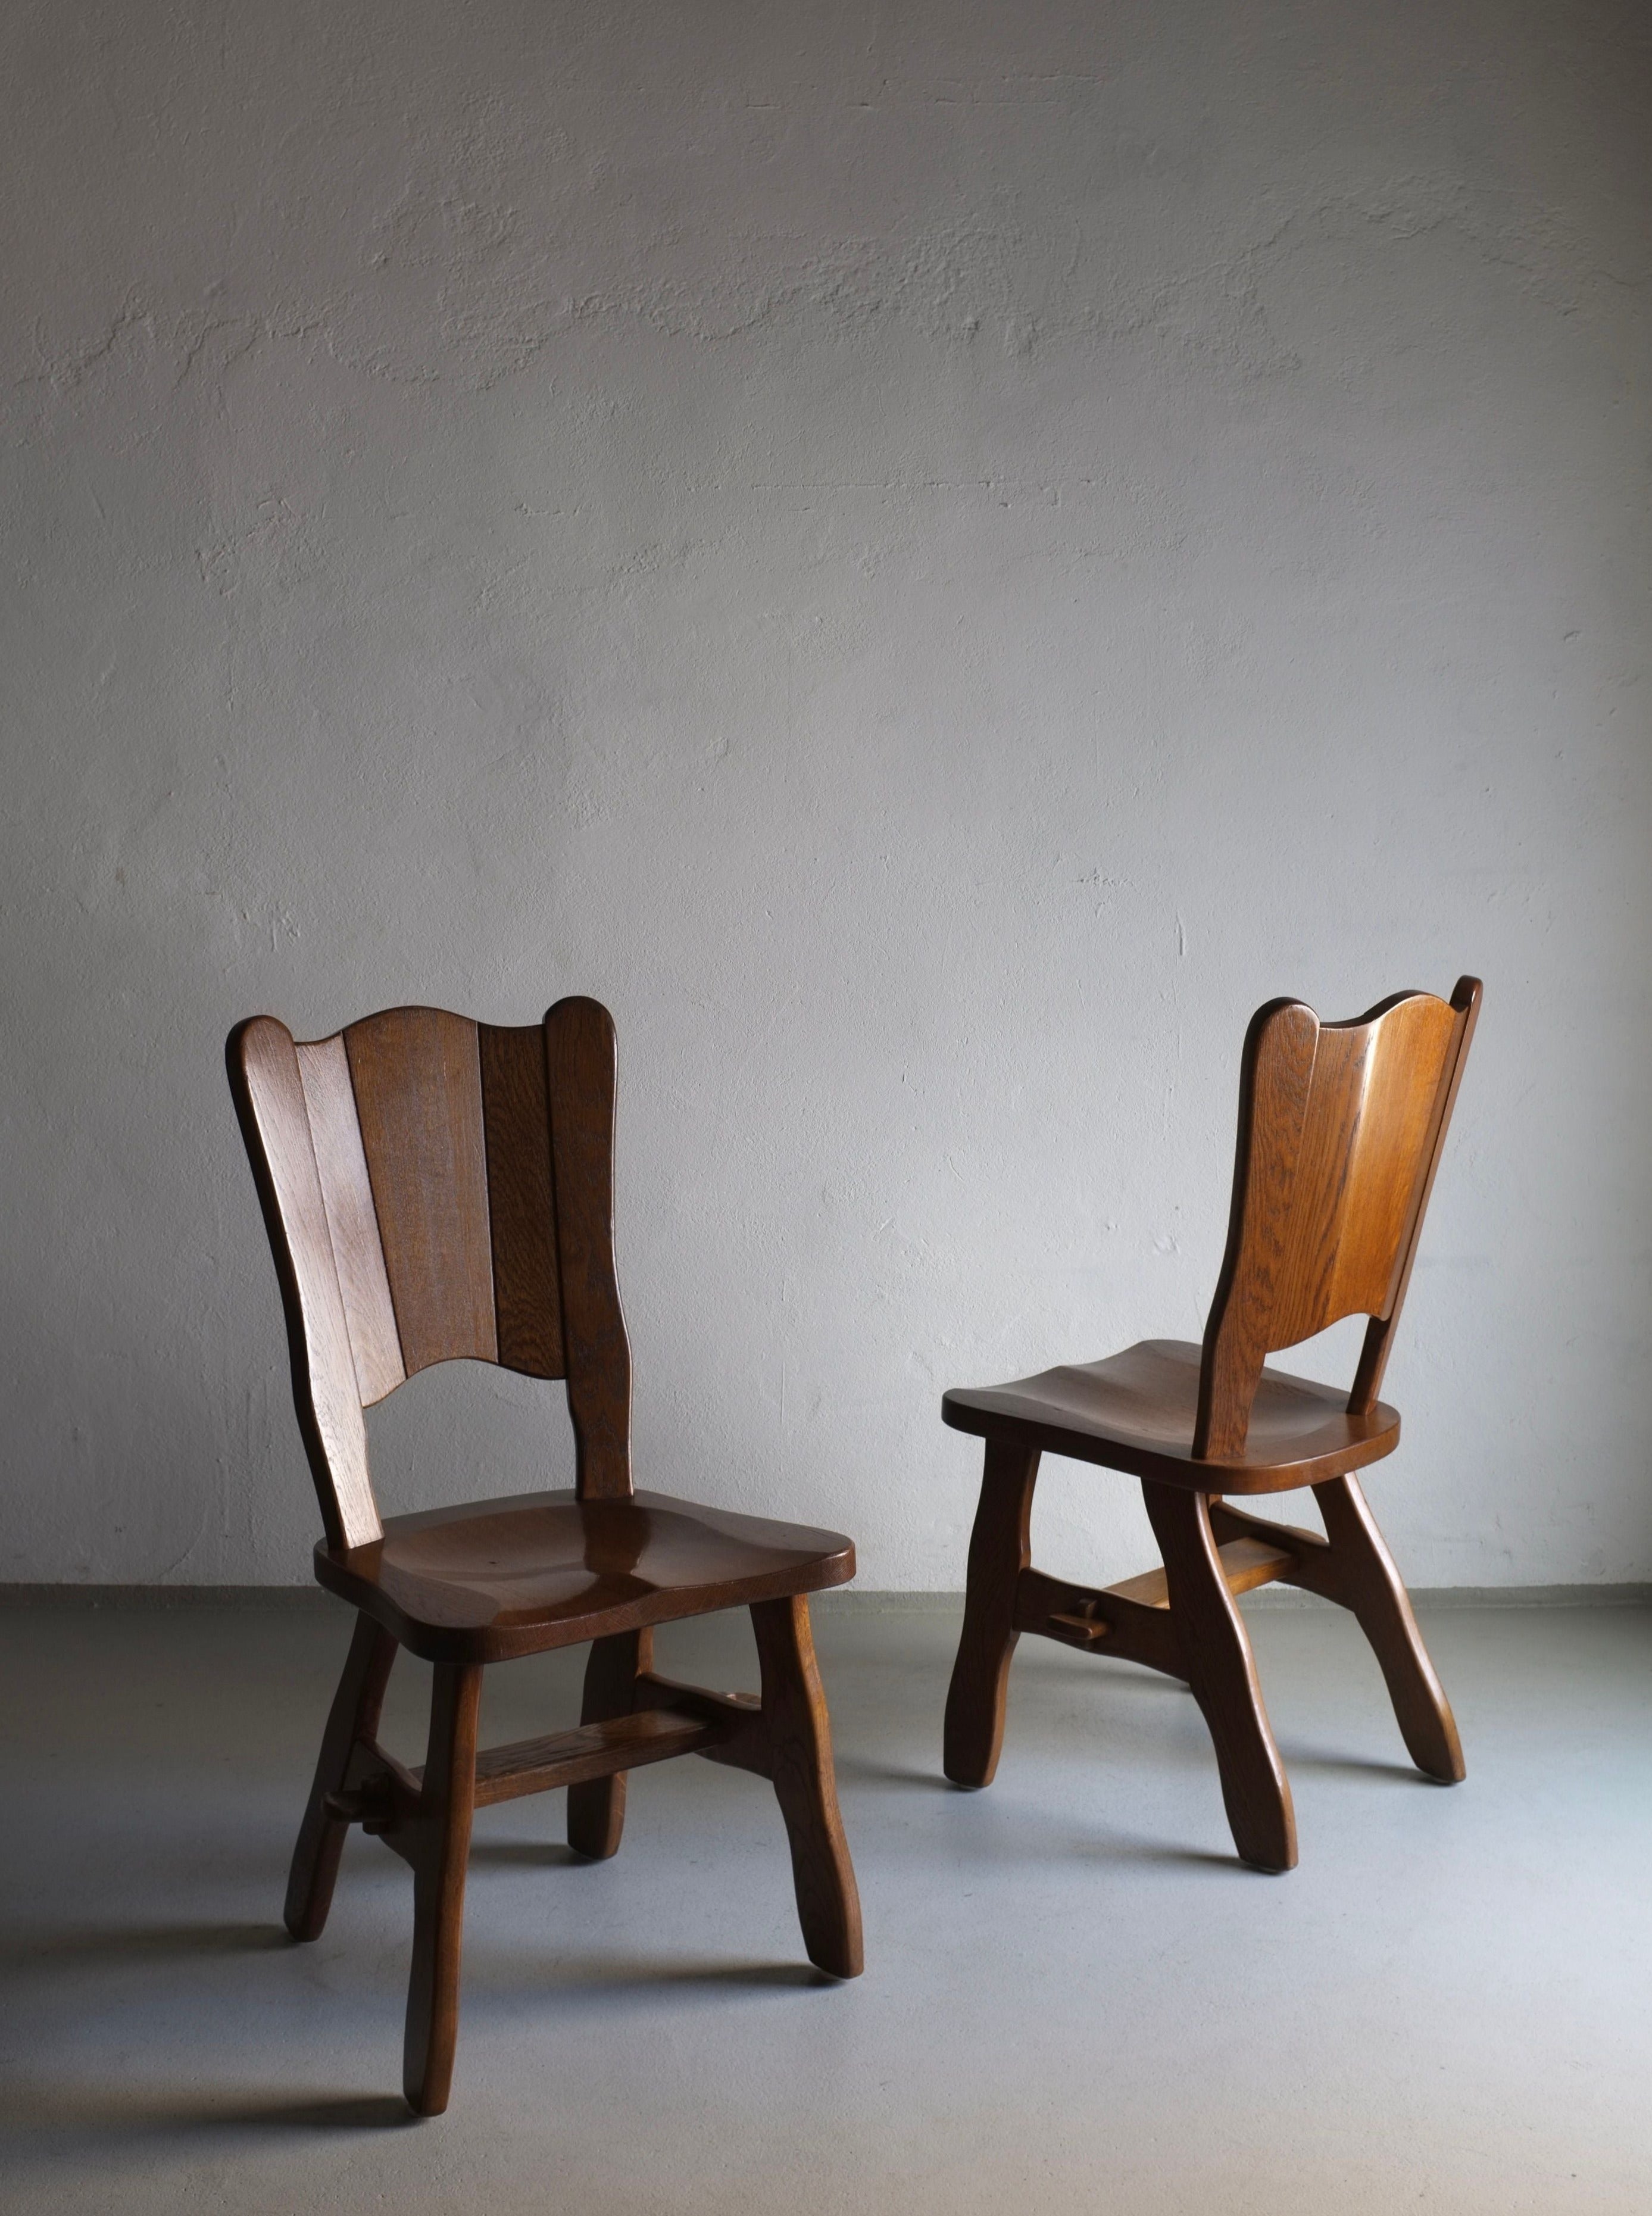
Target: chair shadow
<point x="137" y="1943"/>
<point x="49" y="2116"/>
<point x="1354" y="1765"/>
<point x="526" y="1854"/>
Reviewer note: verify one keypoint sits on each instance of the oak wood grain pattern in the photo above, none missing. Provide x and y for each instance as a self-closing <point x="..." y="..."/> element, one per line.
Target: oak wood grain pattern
<point x="1136" y="1411"/>
<point x="487" y="1580"/>
<point x="346" y="1191"/>
<point x="742" y="1739"/>
<point x="440" y="1847"/>
<point x="1373" y="1357"/>
<point x="1216" y="1653"/>
<point x="516" y="1120"/>
<point x="799" y="1750"/>
<point x="590" y="1754"/>
<point x="1098" y="1621"/>
<point x="353" y="1718"/>
<point x="1000" y="1553"/>
<point x="579" y="1061"/>
<point x="1354" y="1568"/>
<point x="417" y="1078"/>
<point x="269" y="1096"/>
<point x="1339" y="1128"/>
<point x="596" y="1811"/>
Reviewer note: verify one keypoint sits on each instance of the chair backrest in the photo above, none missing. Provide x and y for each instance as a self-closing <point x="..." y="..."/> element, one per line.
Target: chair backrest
<point x="1340" y="1131"/>
<point x="435" y="1189"/>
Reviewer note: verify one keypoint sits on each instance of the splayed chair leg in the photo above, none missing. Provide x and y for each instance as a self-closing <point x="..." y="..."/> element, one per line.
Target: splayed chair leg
<point x="355" y="1716"/>
<point x="1371" y="1586"/>
<point x="437" y="1843"/>
<point x="1216" y="1652"/>
<point x="596" y="1810"/>
<point x="799" y="1737"/>
<point x="1000" y="1550"/>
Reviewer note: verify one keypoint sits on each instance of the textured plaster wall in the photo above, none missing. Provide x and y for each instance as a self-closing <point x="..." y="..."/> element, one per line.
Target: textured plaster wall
<point x="931" y="555"/>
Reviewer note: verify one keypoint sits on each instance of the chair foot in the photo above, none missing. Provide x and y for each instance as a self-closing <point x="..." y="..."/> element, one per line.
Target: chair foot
<point x="596" y="1810"/>
<point x="1222" y="1671"/>
<point x="1372" y="1587"/>
<point x="353" y="1716"/>
<point x="438" y="1842"/>
<point x="1000" y="1550"/>
<point x="799" y="1747"/>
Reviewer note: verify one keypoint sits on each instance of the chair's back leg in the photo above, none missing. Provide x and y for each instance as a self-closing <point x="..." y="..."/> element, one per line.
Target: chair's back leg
<point x="999" y="1550"/>
<point x="439" y="1847"/>
<point x="798" y="1735"/>
<point x="353" y="1716"/>
<point x="1371" y="1586"/>
<point x="596" y="1810"/>
<point x="1222" y="1672"/>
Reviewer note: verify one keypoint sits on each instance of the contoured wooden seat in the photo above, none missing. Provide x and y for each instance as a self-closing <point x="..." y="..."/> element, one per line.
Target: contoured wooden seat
<point x="434" y="1190"/>
<point x="1341" y="1127"/>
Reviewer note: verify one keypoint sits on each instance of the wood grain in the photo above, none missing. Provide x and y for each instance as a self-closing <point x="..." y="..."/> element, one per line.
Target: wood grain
<point x="417" y="1077"/>
<point x="1216" y="1652"/>
<point x="353" y="1720"/>
<point x="441" y="1847"/>
<point x="799" y="1750"/>
<point x="1341" y="1129"/>
<point x="516" y="1120"/>
<point x="999" y="1550"/>
<point x="358" y="1251"/>
<point x="595" y="1812"/>
<point x="434" y="1188"/>
<point x="580" y="1060"/>
<point x="269" y="1092"/>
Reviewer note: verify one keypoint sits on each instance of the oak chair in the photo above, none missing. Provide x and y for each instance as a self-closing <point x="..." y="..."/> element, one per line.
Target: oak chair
<point x="1341" y="1127"/>
<point x="436" y="1188"/>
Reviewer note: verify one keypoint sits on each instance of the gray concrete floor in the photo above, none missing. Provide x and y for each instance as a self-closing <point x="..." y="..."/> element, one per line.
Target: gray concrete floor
<point x="1074" y="1996"/>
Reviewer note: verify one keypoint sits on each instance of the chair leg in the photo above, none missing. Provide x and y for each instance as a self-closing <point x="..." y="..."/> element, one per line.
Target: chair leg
<point x="799" y="1746"/>
<point x="1371" y="1586"/>
<point x="596" y="1810"/>
<point x="353" y="1716"/>
<point x="1222" y="1672"/>
<point x="999" y="1550"/>
<point x="439" y="1840"/>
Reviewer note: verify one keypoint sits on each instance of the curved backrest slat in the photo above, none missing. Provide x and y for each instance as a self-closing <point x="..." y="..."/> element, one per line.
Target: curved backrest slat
<point x="416" y="1074"/>
<point x="1340" y="1129"/>
<point x="435" y="1190"/>
<point x="346" y="1189"/>
<point x="264" y="1076"/>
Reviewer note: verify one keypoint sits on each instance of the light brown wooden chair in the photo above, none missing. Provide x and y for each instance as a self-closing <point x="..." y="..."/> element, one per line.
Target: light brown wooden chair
<point x="1340" y="1131"/>
<point x="436" y="1188"/>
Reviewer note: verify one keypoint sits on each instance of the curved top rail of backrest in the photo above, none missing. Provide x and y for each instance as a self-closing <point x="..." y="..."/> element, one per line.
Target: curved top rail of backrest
<point x="1340" y="1131"/>
<point x="436" y="1188"/>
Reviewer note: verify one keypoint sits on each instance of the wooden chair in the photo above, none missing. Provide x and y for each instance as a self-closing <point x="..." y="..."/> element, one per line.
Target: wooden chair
<point x="1340" y="1132"/>
<point x="436" y="1188"/>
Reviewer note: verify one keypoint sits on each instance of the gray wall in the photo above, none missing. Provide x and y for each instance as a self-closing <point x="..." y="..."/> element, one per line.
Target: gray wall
<point x="931" y="555"/>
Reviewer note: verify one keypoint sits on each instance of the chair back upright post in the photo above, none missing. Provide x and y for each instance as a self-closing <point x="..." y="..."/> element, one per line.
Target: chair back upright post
<point x="1341" y="1127"/>
<point x="437" y="1190"/>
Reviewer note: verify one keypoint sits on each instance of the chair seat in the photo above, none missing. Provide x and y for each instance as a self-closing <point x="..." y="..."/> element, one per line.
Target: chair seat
<point x="494" y="1579"/>
<point x="1135" y="1412"/>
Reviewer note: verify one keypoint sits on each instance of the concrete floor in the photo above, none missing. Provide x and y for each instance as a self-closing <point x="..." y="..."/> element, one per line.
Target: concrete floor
<point x="1075" y="1998"/>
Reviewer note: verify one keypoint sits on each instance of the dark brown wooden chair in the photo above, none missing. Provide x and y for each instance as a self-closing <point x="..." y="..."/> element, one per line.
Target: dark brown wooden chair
<point x="1340" y="1132"/>
<point x="436" y="1188"/>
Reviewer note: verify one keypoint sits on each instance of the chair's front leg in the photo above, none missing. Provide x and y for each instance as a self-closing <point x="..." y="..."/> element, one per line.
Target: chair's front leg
<point x="798" y="1735"/>
<point x="596" y="1810"/>
<point x="354" y="1715"/>
<point x="438" y="1842"/>
<point x="1000" y="1549"/>
<point x="1371" y="1586"/>
<point x="1222" y="1672"/>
